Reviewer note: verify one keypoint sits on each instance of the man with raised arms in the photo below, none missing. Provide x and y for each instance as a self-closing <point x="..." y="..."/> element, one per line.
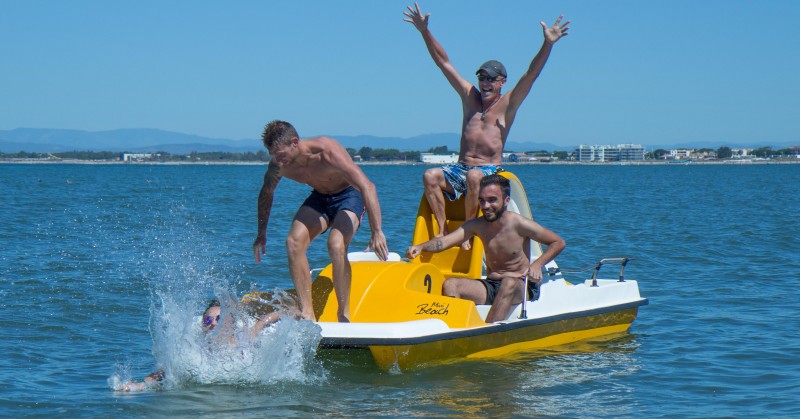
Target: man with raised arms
<point x="505" y="237"/>
<point x="487" y="119"/>
<point x="341" y="193"/>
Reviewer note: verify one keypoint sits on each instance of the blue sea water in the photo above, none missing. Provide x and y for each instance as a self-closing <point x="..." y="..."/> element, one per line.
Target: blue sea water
<point x="101" y="265"/>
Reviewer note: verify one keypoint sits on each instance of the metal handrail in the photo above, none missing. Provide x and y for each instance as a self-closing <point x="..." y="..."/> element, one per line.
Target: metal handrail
<point x="623" y="261"/>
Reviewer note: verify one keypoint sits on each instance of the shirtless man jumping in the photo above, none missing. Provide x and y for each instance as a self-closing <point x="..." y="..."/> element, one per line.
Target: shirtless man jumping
<point x="505" y="236"/>
<point x="487" y="119"/>
<point x="341" y="193"/>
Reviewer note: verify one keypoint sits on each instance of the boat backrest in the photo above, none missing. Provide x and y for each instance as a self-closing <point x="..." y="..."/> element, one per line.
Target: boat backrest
<point x="519" y="204"/>
<point x="455" y="261"/>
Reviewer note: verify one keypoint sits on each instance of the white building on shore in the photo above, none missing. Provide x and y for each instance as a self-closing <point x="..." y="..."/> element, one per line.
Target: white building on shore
<point x="604" y="153"/>
<point x="138" y="156"/>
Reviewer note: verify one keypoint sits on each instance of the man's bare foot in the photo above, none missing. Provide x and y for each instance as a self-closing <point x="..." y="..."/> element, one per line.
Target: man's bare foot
<point x="308" y="316"/>
<point x="466" y="245"/>
<point x="343" y="318"/>
<point x="442" y="231"/>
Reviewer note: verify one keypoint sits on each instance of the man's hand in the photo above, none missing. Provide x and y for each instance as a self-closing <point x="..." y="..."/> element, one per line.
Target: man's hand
<point x="535" y="271"/>
<point x="260" y="247"/>
<point x="415" y="16"/>
<point x="413" y="251"/>
<point x="378" y="243"/>
<point x="555" y="32"/>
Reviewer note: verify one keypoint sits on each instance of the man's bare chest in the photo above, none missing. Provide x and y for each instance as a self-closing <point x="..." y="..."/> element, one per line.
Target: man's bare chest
<point x="502" y="242"/>
<point x="319" y="177"/>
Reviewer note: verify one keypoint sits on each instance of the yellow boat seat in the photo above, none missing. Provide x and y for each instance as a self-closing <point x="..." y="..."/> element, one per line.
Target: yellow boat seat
<point x="455" y="261"/>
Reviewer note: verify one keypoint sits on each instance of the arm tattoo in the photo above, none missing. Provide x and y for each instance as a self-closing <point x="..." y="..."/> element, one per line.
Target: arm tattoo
<point x="433" y="246"/>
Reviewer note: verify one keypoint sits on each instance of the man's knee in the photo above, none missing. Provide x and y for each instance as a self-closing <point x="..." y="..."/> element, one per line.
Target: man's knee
<point x="450" y="288"/>
<point x="433" y="177"/>
<point x="336" y="247"/>
<point x="474" y="179"/>
<point x="511" y="288"/>
<point x="296" y="243"/>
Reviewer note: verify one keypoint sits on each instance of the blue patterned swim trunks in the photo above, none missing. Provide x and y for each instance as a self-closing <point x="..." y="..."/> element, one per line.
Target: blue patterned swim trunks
<point x="456" y="175"/>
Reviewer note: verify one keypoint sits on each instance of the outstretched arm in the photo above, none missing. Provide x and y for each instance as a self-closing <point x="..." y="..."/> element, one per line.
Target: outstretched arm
<point x="369" y="194"/>
<point x="150" y="381"/>
<point x="271" y="179"/>
<point x="438" y="244"/>
<point x="263" y="322"/>
<point x="523" y="87"/>
<point x="415" y="17"/>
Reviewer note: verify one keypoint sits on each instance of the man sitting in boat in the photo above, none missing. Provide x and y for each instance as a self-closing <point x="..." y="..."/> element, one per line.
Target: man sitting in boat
<point x="341" y="193"/>
<point x="486" y="119"/>
<point x="505" y="237"/>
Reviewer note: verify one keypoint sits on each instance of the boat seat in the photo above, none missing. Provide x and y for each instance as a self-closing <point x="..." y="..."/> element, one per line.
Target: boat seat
<point x="454" y="262"/>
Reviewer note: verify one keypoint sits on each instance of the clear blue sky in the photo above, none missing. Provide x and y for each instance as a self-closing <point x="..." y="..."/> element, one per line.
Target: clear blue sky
<point x="645" y="72"/>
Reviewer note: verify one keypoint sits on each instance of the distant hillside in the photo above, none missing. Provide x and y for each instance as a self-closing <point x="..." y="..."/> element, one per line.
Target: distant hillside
<point x="419" y="143"/>
<point x="150" y="140"/>
<point x="135" y="140"/>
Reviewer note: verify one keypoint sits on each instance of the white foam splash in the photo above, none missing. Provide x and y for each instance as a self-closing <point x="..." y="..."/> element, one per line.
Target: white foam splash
<point x="229" y="354"/>
<point x="182" y="280"/>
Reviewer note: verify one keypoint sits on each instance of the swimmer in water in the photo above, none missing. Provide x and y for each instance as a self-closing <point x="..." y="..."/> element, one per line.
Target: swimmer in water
<point x="208" y="322"/>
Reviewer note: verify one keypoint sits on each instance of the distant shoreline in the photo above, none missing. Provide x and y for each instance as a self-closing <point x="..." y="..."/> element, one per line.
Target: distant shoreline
<point x="403" y="163"/>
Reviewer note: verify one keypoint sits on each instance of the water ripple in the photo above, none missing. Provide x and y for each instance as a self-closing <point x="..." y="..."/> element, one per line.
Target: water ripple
<point x="85" y="266"/>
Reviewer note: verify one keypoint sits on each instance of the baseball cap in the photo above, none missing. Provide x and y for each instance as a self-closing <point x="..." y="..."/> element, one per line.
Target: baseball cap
<point x="494" y="68"/>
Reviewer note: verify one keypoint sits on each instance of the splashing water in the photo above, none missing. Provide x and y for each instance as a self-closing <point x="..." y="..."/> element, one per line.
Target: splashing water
<point x="182" y="280"/>
<point x="230" y="353"/>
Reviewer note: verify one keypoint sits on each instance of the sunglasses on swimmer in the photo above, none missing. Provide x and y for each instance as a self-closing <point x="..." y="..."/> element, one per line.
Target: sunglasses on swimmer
<point x="482" y="77"/>
<point x="207" y="320"/>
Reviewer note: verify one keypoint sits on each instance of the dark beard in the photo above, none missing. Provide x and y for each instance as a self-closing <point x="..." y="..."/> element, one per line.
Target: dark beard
<point x="497" y="216"/>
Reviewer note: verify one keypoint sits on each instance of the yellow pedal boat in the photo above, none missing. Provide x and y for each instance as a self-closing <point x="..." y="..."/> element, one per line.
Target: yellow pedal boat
<point x="399" y="314"/>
